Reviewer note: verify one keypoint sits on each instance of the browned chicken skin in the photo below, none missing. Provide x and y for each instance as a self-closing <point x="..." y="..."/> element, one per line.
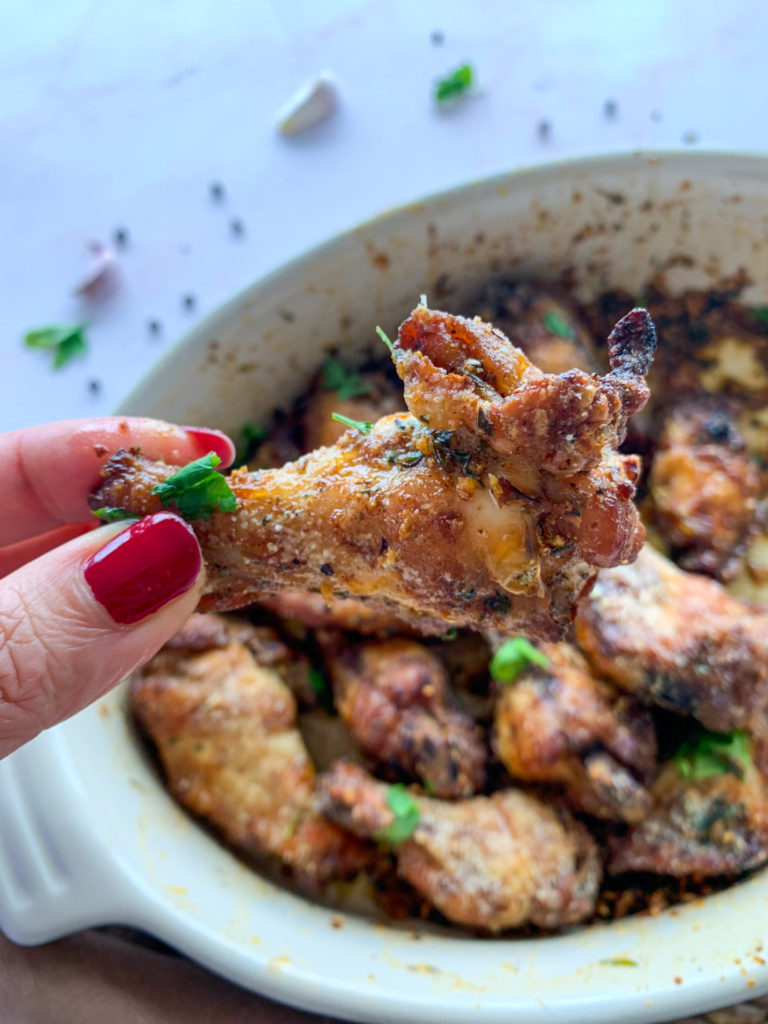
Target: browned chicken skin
<point x="373" y="617"/>
<point x="510" y="473"/>
<point x="703" y="488"/>
<point x="225" y="731"/>
<point x="490" y="862"/>
<point x="705" y="827"/>
<point x="678" y="640"/>
<point x="394" y="696"/>
<point x="561" y="725"/>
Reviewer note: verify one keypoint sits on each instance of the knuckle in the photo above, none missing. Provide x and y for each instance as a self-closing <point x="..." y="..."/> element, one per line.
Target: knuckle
<point x="37" y="680"/>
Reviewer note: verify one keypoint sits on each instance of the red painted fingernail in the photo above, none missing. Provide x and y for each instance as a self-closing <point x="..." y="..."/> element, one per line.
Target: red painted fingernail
<point x="213" y="441"/>
<point x="144" y="567"/>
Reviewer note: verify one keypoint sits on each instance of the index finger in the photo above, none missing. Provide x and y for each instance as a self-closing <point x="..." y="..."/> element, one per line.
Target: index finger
<point x="51" y="469"/>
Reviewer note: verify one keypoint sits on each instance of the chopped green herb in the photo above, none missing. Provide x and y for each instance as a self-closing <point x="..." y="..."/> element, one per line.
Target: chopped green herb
<point x="251" y="437"/>
<point x="450" y="634"/>
<point x="108" y="514"/>
<point x="514" y="657"/>
<point x="761" y="312"/>
<point x="197" y="490"/>
<point x="618" y="961"/>
<point x="558" y="325"/>
<point x="455" y="84"/>
<point x="386" y="340"/>
<point x="362" y="425"/>
<point x="65" y="342"/>
<point x="406" y="812"/>
<point x="706" y="754"/>
<point x="346" y="383"/>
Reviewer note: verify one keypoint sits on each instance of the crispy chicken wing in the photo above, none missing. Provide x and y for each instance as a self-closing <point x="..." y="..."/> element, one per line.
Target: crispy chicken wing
<point x="705" y="827"/>
<point x="490" y="862"/>
<point x="494" y="502"/>
<point x="561" y="725"/>
<point x="225" y="730"/>
<point x="394" y="696"/>
<point x="703" y="488"/>
<point x="678" y="640"/>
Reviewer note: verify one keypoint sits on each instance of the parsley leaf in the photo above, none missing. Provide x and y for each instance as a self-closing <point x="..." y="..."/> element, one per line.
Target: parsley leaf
<point x="197" y="490"/>
<point x="362" y="425"/>
<point x="761" y="312"/>
<point x="514" y="657"/>
<point x="705" y="754"/>
<point x="65" y="342"/>
<point x="110" y="514"/>
<point x="346" y="383"/>
<point x="406" y="812"/>
<point x="557" y="324"/>
<point x="455" y="84"/>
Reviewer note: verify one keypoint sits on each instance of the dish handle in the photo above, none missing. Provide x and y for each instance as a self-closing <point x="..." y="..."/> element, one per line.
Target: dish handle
<point x="55" y="875"/>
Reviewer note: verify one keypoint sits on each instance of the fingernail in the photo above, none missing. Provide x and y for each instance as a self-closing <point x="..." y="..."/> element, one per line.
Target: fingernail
<point x="213" y="441"/>
<point x="144" y="567"/>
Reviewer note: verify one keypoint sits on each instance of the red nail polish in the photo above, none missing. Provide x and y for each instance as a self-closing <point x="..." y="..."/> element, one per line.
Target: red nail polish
<point x="144" y="567"/>
<point x="213" y="441"/>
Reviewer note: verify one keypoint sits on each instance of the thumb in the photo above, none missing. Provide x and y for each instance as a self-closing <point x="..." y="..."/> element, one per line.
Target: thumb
<point x="76" y="621"/>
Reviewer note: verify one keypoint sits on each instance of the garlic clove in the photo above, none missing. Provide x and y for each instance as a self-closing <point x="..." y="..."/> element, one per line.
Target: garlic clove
<point x="313" y="103"/>
<point x="100" y="274"/>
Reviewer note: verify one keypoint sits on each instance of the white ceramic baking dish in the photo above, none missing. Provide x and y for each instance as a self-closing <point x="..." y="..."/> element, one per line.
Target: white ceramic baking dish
<point x="89" y="836"/>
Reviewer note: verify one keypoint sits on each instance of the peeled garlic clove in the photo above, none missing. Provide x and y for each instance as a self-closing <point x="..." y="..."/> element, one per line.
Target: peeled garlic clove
<point x="100" y="274"/>
<point x="314" y="102"/>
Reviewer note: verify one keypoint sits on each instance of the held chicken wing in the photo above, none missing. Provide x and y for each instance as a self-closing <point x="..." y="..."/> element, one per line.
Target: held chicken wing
<point x="493" y="503"/>
<point x="678" y="640"/>
<point x="225" y="730"/>
<point x="490" y="862"/>
<point x="717" y="825"/>
<point x="561" y="725"/>
<point x="394" y="697"/>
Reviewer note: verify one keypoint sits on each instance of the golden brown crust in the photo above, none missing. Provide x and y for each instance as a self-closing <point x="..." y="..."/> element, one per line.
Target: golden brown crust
<point x="394" y="696"/>
<point x="225" y="730"/>
<point x="490" y="862"/>
<point x="709" y="827"/>
<point x="372" y="617"/>
<point x="677" y="640"/>
<point x="703" y="488"/>
<point x="502" y="524"/>
<point x="561" y="725"/>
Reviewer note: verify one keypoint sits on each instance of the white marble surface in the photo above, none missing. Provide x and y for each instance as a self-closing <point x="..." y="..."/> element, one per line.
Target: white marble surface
<point x="121" y="113"/>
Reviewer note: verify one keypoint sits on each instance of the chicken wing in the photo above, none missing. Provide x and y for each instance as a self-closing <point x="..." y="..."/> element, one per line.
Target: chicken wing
<point x="561" y="725"/>
<point x="225" y="730"/>
<point x="494" y="502"/>
<point x="703" y="488"/>
<point x="490" y="862"/>
<point x="710" y="826"/>
<point x="677" y="640"/>
<point x="394" y="697"/>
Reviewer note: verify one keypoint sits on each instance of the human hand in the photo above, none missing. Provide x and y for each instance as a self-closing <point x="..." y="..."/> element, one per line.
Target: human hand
<point x="82" y="605"/>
